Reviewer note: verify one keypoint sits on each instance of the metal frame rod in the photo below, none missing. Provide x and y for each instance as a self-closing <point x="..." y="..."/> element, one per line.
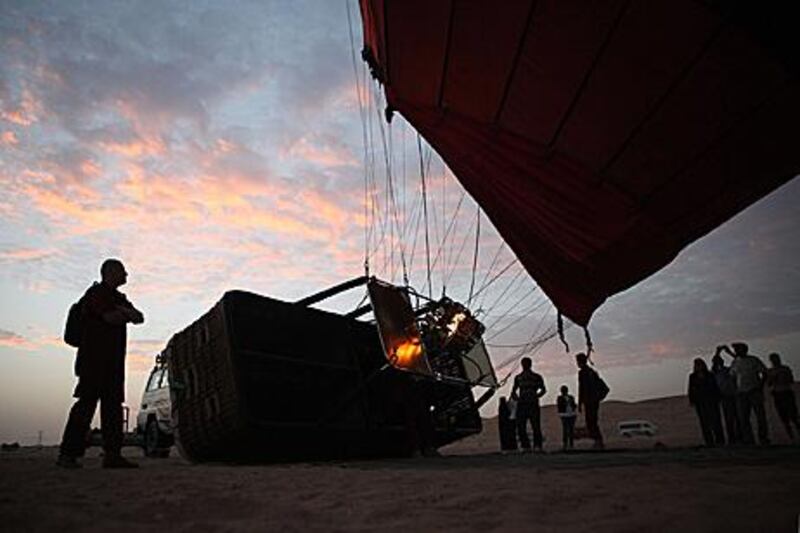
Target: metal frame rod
<point x="332" y="291"/>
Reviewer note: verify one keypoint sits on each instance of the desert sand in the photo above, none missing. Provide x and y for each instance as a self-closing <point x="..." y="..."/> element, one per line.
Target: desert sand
<point x="630" y="487"/>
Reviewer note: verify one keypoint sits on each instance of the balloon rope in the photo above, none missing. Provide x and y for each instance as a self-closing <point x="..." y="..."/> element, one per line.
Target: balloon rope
<point x="561" y="331"/>
<point x="589" y="345"/>
<point x="475" y="256"/>
<point x="425" y="214"/>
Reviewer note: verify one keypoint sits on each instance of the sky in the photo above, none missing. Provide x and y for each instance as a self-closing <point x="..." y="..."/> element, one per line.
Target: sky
<point x="215" y="146"/>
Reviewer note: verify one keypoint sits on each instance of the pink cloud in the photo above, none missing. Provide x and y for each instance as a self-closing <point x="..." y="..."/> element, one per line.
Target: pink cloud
<point x="139" y="147"/>
<point x="25" y="254"/>
<point x="80" y="217"/>
<point x="325" y="154"/>
<point x="9" y="138"/>
<point x="9" y="339"/>
<point x="661" y="349"/>
<point x="26" y="113"/>
<point x="141" y="354"/>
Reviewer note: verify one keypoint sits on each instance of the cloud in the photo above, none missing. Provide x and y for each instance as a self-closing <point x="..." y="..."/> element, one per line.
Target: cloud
<point x="141" y="354"/>
<point x="9" y="138"/>
<point x="24" y="112"/>
<point x="323" y="153"/>
<point x="25" y="254"/>
<point x="9" y="339"/>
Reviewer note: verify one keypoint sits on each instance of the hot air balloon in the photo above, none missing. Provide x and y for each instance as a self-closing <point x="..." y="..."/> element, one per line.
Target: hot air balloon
<point x="600" y="138"/>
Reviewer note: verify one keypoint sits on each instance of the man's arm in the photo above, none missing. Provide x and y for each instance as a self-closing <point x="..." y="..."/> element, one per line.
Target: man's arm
<point x="123" y="314"/>
<point x="724" y="348"/>
<point x="514" y="390"/>
<point x="116" y="316"/>
<point x="542" y="390"/>
<point x="134" y="315"/>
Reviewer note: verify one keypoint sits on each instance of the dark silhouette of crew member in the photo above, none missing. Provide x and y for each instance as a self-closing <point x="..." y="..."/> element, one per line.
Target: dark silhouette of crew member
<point x="528" y="388"/>
<point x="100" y="367"/>
<point x="750" y="374"/>
<point x="591" y="391"/>
<point x="567" y="413"/>
<point x="704" y="396"/>
<point x="780" y="380"/>
<point x="507" y="427"/>
<point x="726" y="384"/>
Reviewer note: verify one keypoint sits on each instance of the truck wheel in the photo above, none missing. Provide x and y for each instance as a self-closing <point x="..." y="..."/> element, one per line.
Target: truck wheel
<point x="152" y="438"/>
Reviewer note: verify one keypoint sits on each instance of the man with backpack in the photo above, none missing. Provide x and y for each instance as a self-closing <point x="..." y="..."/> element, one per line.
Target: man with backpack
<point x="528" y="388"/>
<point x="98" y="326"/>
<point x="591" y="391"/>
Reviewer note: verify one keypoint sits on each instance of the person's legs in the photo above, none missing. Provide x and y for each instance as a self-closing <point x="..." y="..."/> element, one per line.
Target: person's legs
<point x="564" y="433"/>
<point x="593" y="423"/>
<point x="791" y="408"/>
<point x="512" y="433"/>
<point x="111" y="424"/>
<point x="523" y="414"/>
<point x="757" y="401"/>
<point x="784" y="401"/>
<point x="537" y="427"/>
<point x="729" y="413"/>
<point x="73" y="442"/>
<point x="743" y="410"/>
<point x="705" y="426"/>
<point x="570" y="425"/>
<point x="716" y="424"/>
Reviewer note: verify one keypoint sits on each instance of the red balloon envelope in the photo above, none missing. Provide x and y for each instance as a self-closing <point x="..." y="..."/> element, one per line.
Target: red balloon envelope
<point x="599" y="137"/>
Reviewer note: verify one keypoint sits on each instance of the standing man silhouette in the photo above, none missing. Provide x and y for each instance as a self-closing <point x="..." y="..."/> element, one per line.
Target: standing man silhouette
<point x="591" y="391"/>
<point x="750" y="374"/>
<point x="100" y="367"/>
<point x="781" y="380"/>
<point x="531" y="387"/>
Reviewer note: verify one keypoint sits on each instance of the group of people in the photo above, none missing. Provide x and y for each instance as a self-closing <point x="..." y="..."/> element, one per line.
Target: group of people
<point x="734" y="393"/>
<point x="522" y="409"/>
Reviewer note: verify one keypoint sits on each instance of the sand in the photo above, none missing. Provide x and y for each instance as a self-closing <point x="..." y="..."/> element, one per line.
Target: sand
<point x="631" y="487"/>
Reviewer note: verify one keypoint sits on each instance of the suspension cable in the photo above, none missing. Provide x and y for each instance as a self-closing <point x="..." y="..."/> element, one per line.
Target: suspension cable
<point x="361" y="114"/>
<point x="425" y="214"/>
<point x="439" y="251"/>
<point x="495" y="278"/>
<point x="475" y="256"/>
<point x="491" y="267"/>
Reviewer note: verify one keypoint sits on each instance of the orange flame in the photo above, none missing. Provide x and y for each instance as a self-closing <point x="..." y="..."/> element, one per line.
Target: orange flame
<point x="406" y="353"/>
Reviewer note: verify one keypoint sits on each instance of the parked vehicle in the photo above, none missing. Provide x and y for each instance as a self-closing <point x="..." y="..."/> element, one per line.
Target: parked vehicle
<point x="637" y="428"/>
<point x="154" y="421"/>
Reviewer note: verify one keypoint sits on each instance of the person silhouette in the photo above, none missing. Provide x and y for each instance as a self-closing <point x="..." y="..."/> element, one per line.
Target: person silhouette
<point x="750" y="374"/>
<point x="704" y="396"/>
<point x="531" y="387"/>
<point x="780" y="380"/>
<point x="727" y="390"/>
<point x="591" y="391"/>
<point x="100" y="368"/>
<point x="507" y="426"/>
<point x="567" y="412"/>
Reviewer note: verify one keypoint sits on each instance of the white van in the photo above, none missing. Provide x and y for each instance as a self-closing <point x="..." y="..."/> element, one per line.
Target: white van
<point x="154" y="421"/>
<point x="637" y="428"/>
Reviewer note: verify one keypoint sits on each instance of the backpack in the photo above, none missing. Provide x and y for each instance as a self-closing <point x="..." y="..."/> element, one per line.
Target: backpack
<point x="601" y="388"/>
<point x="73" y="330"/>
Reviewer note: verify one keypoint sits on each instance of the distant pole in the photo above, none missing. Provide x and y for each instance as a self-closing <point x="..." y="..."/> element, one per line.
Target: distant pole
<point x="40" y="439"/>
